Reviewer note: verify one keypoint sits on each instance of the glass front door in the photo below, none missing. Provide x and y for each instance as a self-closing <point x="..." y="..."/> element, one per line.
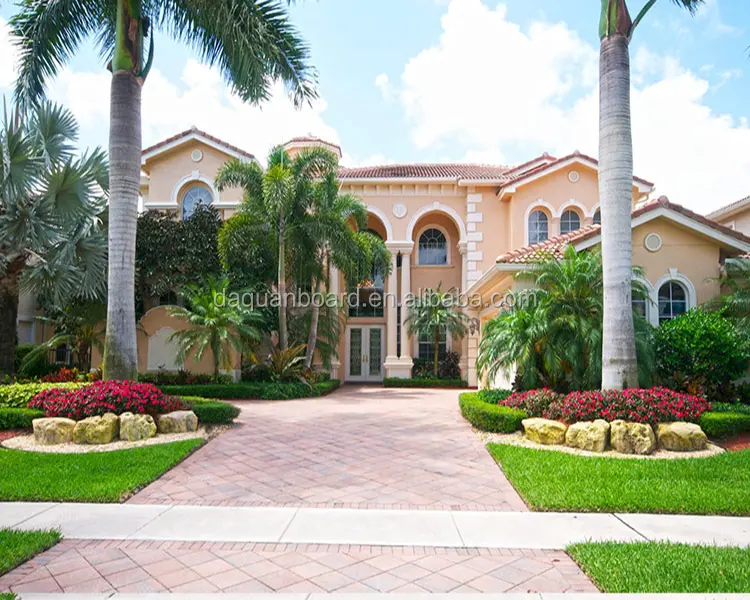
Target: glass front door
<point x="365" y="352"/>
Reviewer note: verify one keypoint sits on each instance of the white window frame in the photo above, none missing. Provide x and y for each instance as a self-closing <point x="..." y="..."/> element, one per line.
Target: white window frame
<point x="676" y="276"/>
<point x="528" y="226"/>
<point x="448" y="254"/>
<point x="576" y="213"/>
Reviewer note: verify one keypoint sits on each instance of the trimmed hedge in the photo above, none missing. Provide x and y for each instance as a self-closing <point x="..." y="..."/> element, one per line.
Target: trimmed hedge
<point x="724" y="424"/>
<point x="211" y="412"/>
<point x="494" y="396"/>
<point x="18" y="418"/>
<point x="490" y="417"/>
<point x="18" y="395"/>
<point x="424" y="383"/>
<point x="254" y="390"/>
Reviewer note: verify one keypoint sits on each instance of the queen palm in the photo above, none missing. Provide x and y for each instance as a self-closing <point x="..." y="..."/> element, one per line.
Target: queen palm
<point x="433" y="314"/>
<point x="52" y="240"/>
<point x="616" y="28"/>
<point x="250" y="41"/>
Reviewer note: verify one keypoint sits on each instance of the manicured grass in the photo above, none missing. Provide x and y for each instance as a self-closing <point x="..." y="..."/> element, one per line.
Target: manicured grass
<point x="94" y="477"/>
<point x="17" y="547"/>
<point x="664" y="568"/>
<point x="556" y="481"/>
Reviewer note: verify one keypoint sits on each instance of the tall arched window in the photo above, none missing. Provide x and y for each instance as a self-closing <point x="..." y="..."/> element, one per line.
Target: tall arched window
<point x="673" y="301"/>
<point x="598" y="217"/>
<point x="569" y="221"/>
<point x="198" y="194"/>
<point x="433" y="248"/>
<point x="538" y="227"/>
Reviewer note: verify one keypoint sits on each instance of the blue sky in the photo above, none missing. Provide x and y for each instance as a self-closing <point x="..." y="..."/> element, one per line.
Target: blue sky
<point x="478" y="80"/>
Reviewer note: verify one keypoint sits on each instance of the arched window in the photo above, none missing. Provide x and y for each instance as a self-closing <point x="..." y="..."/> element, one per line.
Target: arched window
<point x="673" y="301"/>
<point x="569" y="221"/>
<point x="598" y="217"/>
<point x="433" y="248"/>
<point x="198" y="194"/>
<point x="538" y="227"/>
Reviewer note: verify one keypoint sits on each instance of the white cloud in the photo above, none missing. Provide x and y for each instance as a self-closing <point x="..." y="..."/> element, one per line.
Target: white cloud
<point x="490" y="89"/>
<point x="7" y="56"/>
<point x="384" y="85"/>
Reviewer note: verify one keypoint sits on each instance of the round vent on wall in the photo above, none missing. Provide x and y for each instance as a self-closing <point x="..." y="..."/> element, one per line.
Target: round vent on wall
<point x="196" y="155"/>
<point x="652" y="242"/>
<point x="574" y="176"/>
<point x="399" y="210"/>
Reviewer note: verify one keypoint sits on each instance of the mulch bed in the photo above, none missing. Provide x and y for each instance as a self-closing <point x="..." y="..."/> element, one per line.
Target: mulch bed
<point x="10" y="433"/>
<point x="736" y="443"/>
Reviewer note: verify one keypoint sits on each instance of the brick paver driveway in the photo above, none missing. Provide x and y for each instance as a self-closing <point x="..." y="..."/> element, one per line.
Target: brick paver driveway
<point x="360" y="447"/>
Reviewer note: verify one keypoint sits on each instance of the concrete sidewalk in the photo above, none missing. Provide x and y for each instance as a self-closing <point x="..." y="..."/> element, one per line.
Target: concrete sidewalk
<point x="375" y="596"/>
<point x="454" y="529"/>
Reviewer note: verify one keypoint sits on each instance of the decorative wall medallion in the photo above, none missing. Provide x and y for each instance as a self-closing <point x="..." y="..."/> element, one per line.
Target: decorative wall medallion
<point x="574" y="176"/>
<point x="652" y="242"/>
<point x="196" y="155"/>
<point x="399" y="210"/>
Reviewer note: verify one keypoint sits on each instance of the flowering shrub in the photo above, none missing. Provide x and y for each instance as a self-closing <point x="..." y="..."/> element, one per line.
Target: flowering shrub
<point x="63" y="375"/>
<point x="534" y="402"/>
<point x="103" y="397"/>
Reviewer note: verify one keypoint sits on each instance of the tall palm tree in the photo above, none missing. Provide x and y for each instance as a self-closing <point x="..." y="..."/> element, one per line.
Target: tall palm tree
<point x="52" y="239"/>
<point x="214" y="326"/>
<point x="433" y="314"/>
<point x="616" y="28"/>
<point x="252" y="43"/>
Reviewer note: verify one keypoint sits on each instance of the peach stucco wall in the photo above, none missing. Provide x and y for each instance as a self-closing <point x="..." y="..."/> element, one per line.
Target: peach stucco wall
<point x="739" y="221"/>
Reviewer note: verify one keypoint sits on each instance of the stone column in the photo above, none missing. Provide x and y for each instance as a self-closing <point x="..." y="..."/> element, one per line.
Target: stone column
<point x="395" y="367"/>
<point x="462" y="247"/>
<point x="336" y="372"/>
<point x="391" y="321"/>
<point x="405" y="359"/>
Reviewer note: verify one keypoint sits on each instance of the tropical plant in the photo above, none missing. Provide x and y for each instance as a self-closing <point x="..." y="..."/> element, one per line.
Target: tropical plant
<point x="52" y="241"/>
<point x="619" y="354"/>
<point x="250" y="41"/>
<point x="433" y="314"/>
<point x="216" y="326"/>
<point x="295" y="203"/>
<point x="287" y="364"/>
<point x="552" y="335"/>
<point x="734" y="303"/>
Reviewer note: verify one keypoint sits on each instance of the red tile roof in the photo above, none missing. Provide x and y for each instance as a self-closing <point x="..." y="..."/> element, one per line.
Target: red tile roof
<point x="195" y="130"/>
<point x="554" y="247"/>
<point x="426" y="171"/>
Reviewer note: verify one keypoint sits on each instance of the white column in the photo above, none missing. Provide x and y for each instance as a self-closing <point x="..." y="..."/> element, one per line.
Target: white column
<point x="395" y="367"/>
<point x="405" y="289"/>
<point x="391" y="314"/>
<point x="336" y="372"/>
<point x="462" y="246"/>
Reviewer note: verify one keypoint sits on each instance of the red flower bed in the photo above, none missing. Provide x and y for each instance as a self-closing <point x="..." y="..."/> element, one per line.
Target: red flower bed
<point x="655" y="405"/>
<point x="103" y="397"/>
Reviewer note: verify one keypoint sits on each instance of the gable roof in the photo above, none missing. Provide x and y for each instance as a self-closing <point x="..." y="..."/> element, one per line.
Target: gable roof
<point x="730" y="209"/>
<point x="590" y="235"/>
<point x="194" y="134"/>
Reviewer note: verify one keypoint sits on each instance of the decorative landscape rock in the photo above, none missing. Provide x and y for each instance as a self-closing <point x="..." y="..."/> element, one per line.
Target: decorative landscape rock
<point x="97" y="430"/>
<point x="680" y="436"/>
<point x="588" y="435"/>
<point x="53" y="430"/>
<point x="632" y="438"/>
<point x="179" y="421"/>
<point x="136" y="427"/>
<point x="544" y="431"/>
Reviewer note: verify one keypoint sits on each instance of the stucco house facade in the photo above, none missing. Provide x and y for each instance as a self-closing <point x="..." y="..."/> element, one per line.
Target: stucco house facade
<point x="469" y="227"/>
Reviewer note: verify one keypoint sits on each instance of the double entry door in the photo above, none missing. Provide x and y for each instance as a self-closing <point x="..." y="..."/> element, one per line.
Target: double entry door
<point x="365" y="352"/>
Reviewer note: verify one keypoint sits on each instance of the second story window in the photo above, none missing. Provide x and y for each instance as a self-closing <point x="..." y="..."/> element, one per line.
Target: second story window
<point x="569" y="221"/>
<point x="198" y="194"/>
<point x="598" y="217"/>
<point x="538" y="227"/>
<point x="433" y="248"/>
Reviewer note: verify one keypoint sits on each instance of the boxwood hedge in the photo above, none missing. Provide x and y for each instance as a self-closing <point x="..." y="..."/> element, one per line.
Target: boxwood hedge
<point x="253" y="390"/>
<point x="489" y="417"/>
<point x="424" y="383"/>
<point x="18" y="418"/>
<point x="211" y="412"/>
<point x="719" y="425"/>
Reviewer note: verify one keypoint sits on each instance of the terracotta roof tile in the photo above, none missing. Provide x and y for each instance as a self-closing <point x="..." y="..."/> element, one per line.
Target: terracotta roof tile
<point x="195" y="130"/>
<point x="426" y="171"/>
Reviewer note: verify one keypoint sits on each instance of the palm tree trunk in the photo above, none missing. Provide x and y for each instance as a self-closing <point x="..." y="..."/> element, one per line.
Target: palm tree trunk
<point x="283" y="336"/>
<point x="9" y="316"/>
<point x="619" y="364"/>
<point x="312" y="336"/>
<point x="435" y="371"/>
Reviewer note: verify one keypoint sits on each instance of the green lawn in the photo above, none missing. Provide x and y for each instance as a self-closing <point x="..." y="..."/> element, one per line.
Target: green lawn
<point x="557" y="481"/>
<point x="664" y="568"/>
<point x="17" y="547"/>
<point x="95" y="477"/>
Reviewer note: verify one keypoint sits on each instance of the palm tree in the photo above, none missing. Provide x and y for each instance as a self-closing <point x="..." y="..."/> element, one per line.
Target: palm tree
<point x="296" y="202"/>
<point x="218" y="327"/>
<point x="616" y="28"/>
<point x="52" y="241"/>
<point x="252" y="43"/>
<point x="552" y="334"/>
<point x="434" y="314"/>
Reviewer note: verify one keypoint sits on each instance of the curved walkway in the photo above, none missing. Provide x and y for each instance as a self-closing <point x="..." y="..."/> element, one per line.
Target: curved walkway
<point x="360" y="447"/>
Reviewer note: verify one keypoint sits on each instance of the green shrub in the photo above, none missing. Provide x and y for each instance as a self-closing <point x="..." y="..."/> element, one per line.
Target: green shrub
<point x="254" y="390"/>
<point x="38" y="367"/>
<point x="489" y="417"/>
<point x="494" y="396"/>
<point x="181" y="377"/>
<point x="701" y="353"/>
<point x="721" y="425"/>
<point x="18" y="418"/>
<point x="211" y="412"/>
<point x="18" y="395"/>
<point x="424" y="383"/>
<point x="731" y="407"/>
